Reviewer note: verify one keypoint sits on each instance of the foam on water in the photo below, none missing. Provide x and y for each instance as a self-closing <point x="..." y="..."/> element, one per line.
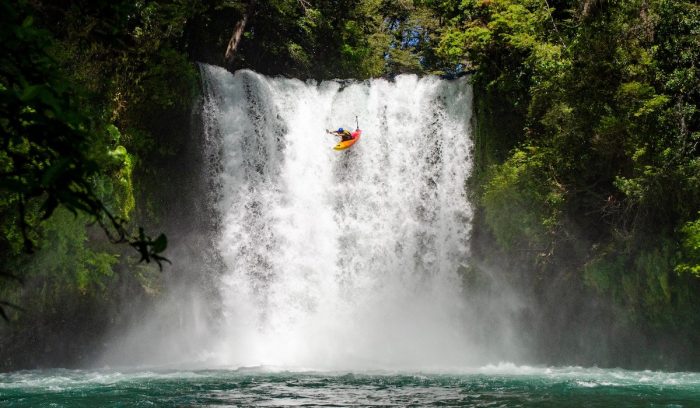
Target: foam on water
<point x="552" y="387"/>
<point x="64" y="379"/>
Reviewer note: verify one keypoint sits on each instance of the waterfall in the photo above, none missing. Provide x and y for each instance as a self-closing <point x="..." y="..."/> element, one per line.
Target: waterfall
<point x="341" y="259"/>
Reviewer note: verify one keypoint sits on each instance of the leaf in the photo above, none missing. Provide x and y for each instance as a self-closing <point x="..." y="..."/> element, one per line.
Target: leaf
<point x="114" y="133"/>
<point x="160" y="244"/>
<point x="30" y="92"/>
<point x="28" y="21"/>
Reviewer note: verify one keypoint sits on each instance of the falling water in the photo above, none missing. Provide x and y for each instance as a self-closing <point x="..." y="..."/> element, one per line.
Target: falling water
<point x="341" y="258"/>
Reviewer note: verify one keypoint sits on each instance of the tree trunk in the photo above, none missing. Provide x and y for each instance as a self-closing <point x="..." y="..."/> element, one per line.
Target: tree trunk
<point x="238" y="31"/>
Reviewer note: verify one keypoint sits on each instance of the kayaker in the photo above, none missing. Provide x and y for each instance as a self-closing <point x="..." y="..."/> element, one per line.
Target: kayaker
<point x="343" y="133"/>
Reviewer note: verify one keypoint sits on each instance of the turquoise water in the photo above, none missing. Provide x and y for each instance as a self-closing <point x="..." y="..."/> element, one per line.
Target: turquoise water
<point x="493" y="386"/>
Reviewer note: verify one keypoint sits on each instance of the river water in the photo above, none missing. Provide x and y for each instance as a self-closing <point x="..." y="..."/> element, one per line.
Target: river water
<point x="490" y="386"/>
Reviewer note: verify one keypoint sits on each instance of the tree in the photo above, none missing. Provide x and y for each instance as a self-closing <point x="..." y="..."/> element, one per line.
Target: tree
<point x="52" y="150"/>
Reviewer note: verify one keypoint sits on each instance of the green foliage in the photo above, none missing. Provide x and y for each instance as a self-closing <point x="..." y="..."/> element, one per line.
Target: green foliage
<point x="63" y="265"/>
<point x="595" y="143"/>
<point x="331" y="39"/>
<point x="137" y="73"/>
<point x="59" y="151"/>
<point x="690" y="245"/>
<point x="321" y="39"/>
<point x="66" y="259"/>
<point x="644" y="282"/>
<point x="47" y="151"/>
<point x="522" y="204"/>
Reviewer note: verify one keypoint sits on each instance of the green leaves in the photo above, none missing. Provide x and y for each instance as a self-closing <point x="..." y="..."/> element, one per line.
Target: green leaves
<point x="587" y="142"/>
<point x="150" y="249"/>
<point x="690" y="244"/>
<point x="53" y="149"/>
<point x="523" y="203"/>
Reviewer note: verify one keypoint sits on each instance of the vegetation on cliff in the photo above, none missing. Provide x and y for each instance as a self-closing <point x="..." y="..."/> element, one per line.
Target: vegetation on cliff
<point x="595" y="178"/>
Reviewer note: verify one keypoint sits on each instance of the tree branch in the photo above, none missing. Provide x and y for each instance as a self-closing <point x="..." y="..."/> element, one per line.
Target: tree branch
<point x="237" y="34"/>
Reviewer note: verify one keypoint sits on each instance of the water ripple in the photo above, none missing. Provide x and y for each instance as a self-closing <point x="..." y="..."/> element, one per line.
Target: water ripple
<point x="485" y="387"/>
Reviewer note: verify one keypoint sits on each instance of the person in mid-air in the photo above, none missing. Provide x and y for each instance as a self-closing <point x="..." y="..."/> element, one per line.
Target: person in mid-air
<point x="343" y="133"/>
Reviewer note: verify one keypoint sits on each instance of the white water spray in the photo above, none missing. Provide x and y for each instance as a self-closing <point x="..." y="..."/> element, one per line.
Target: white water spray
<point x="342" y="259"/>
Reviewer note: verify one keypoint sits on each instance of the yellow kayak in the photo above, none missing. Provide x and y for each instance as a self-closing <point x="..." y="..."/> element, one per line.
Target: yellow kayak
<point x="347" y="143"/>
